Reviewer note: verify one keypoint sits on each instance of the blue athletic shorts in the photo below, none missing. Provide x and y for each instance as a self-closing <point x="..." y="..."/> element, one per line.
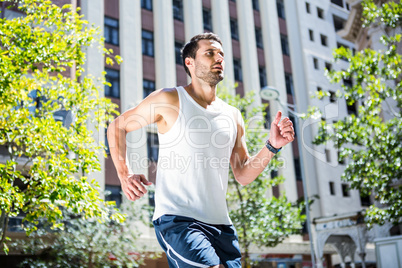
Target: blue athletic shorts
<point x="191" y="243"/>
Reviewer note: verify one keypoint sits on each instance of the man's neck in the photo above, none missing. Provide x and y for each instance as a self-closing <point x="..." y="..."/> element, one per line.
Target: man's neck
<point x="203" y="93"/>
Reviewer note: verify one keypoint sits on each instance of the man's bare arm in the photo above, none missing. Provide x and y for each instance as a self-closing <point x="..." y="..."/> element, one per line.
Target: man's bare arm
<point x="246" y="168"/>
<point x="147" y="112"/>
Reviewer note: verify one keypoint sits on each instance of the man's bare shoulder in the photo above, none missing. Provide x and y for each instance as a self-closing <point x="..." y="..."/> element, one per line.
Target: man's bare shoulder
<point x="165" y="95"/>
<point x="234" y="111"/>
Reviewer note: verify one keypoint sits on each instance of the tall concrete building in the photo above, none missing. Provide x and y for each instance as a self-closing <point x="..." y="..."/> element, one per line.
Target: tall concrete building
<point x="284" y="44"/>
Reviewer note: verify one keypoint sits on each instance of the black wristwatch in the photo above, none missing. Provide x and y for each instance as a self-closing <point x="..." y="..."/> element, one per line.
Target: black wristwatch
<point x="272" y="148"/>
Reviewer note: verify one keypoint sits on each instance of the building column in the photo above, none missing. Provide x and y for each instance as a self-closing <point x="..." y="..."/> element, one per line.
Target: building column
<point x="221" y="26"/>
<point x="300" y="69"/>
<point x="276" y="79"/>
<point x="165" y="63"/>
<point x="93" y="11"/>
<point x="131" y="88"/>
<point x="248" y="48"/>
<point x="193" y="21"/>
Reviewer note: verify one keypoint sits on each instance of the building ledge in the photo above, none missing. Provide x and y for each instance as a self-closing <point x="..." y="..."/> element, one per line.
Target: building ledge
<point x="354" y="23"/>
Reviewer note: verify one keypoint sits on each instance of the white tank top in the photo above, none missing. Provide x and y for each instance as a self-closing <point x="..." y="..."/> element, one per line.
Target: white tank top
<point x="193" y="163"/>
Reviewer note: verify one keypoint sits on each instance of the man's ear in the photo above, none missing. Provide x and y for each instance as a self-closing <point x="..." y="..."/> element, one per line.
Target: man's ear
<point x="189" y="62"/>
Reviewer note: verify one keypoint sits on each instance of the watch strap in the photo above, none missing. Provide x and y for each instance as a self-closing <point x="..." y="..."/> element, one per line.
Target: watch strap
<point x="272" y="148"/>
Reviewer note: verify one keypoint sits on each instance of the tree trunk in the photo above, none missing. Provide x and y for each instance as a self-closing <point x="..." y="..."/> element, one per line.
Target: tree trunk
<point x="244" y="242"/>
<point x="90" y="261"/>
<point x="246" y="257"/>
<point x="3" y="226"/>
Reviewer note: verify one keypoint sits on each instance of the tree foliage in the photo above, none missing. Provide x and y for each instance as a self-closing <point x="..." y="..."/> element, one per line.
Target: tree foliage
<point x="259" y="219"/>
<point x="46" y="158"/>
<point x="93" y="242"/>
<point x="370" y="141"/>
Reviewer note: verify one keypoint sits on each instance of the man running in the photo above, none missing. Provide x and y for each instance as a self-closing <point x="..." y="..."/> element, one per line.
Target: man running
<point x="195" y="127"/>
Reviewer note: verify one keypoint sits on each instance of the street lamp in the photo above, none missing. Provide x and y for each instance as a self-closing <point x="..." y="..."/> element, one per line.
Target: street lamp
<point x="272" y="94"/>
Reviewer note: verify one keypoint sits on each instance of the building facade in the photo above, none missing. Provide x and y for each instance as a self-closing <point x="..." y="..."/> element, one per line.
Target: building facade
<point x="284" y="44"/>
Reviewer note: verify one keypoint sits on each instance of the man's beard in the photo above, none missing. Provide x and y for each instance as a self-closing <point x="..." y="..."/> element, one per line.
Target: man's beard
<point x="204" y="73"/>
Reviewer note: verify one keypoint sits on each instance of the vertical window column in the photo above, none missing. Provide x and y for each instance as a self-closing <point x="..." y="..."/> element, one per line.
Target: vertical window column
<point x="131" y="70"/>
<point x="248" y="47"/>
<point x="275" y="72"/>
<point x="193" y="18"/>
<point x="165" y="63"/>
<point x="221" y="26"/>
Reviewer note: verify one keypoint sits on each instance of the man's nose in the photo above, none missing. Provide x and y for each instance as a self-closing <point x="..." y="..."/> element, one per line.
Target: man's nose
<point x="219" y="58"/>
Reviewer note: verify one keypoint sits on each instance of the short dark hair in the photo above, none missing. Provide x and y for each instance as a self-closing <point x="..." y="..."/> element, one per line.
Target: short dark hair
<point x="191" y="47"/>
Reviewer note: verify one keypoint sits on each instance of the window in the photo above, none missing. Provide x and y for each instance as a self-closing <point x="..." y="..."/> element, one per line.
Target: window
<point x="320" y="13"/>
<point x="15" y="224"/>
<point x="328" y="66"/>
<point x="324" y="40"/>
<point x="147" y="43"/>
<point x="177" y="47"/>
<point x="328" y="155"/>
<point x="289" y="83"/>
<point x="267" y="123"/>
<point x="345" y="190"/>
<point x="280" y="6"/>
<point x="258" y="37"/>
<point x="332" y="188"/>
<point x="339" y="23"/>
<point x="332" y="96"/>
<point x="352" y="108"/>
<point x="274" y="173"/>
<point x="114" y="194"/>
<point x="285" y="45"/>
<point x="311" y="34"/>
<point x="113" y="77"/>
<point x="339" y="45"/>
<point x="297" y="169"/>
<point x="337" y="2"/>
<point x="308" y="8"/>
<point x="146" y="4"/>
<point x="295" y="122"/>
<point x="263" y="77"/>
<point x="315" y="61"/>
<point x="341" y="160"/>
<point x="256" y="5"/>
<point x="111" y="31"/>
<point x="153" y="147"/>
<point x="365" y="200"/>
<point x="35" y="105"/>
<point x="107" y="148"/>
<point x="234" y="29"/>
<point x="178" y="9"/>
<point x="319" y="89"/>
<point x="207" y="17"/>
<point x="347" y="6"/>
<point x="151" y="201"/>
<point x="148" y="87"/>
<point x="347" y="82"/>
<point x="237" y="70"/>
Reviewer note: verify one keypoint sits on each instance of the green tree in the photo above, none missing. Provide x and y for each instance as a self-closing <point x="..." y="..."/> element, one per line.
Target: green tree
<point x="371" y="142"/>
<point x="47" y="159"/>
<point x="94" y="242"/>
<point x="259" y="219"/>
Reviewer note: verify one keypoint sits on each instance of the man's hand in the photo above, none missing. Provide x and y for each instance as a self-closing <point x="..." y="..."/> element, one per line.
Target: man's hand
<point x="281" y="132"/>
<point x="133" y="186"/>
